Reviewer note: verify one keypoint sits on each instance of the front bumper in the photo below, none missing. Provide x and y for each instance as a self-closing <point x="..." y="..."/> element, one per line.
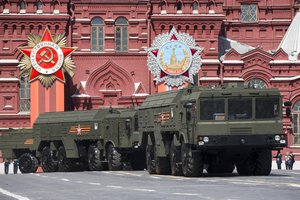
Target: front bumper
<point x="270" y="141"/>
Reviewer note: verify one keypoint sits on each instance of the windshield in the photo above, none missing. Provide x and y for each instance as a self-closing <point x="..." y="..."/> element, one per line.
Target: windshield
<point x="212" y="109"/>
<point x="239" y="108"/>
<point x="266" y="107"/>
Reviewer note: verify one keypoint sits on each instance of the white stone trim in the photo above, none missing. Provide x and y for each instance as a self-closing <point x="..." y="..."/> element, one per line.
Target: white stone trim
<point x="109" y="20"/>
<point x="83" y="20"/>
<point x="210" y="61"/>
<point x="6" y="11"/>
<point x="56" y="11"/>
<point x="284" y="61"/>
<point x="110" y="90"/>
<point x="187" y="15"/>
<point x="268" y="20"/>
<point x="233" y="62"/>
<point x="233" y="79"/>
<point x="209" y="79"/>
<point x="9" y="61"/>
<point x="80" y="95"/>
<point x="163" y="12"/>
<point x="140" y="95"/>
<point x="285" y="78"/>
<point x="9" y="79"/>
<point x="18" y="114"/>
<point x="34" y="14"/>
<point x="137" y="20"/>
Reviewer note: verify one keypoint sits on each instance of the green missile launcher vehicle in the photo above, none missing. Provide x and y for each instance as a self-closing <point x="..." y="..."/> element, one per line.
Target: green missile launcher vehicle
<point x="77" y="140"/>
<point x="178" y="132"/>
<point x="192" y="129"/>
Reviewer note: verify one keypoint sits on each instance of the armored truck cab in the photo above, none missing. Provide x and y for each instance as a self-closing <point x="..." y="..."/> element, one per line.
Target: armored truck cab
<point x="212" y="128"/>
<point x="79" y="140"/>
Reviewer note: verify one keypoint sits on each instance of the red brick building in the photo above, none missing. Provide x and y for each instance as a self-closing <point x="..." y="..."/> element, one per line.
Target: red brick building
<point x="243" y="40"/>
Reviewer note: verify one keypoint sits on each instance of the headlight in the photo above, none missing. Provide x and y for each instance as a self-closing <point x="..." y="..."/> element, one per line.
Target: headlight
<point x="277" y="138"/>
<point x="205" y="139"/>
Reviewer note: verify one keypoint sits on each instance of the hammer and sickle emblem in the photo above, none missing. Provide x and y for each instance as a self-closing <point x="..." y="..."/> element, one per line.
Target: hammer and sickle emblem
<point x="47" y="59"/>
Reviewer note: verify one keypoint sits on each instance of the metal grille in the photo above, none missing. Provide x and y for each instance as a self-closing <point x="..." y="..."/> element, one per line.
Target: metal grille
<point x="237" y="131"/>
<point x="24" y="105"/>
<point x="248" y="12"/>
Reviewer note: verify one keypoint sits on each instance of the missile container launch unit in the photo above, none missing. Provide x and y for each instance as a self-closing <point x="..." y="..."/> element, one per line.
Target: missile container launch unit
<point x="192" y="129"/>
<point x="77" y="140"/>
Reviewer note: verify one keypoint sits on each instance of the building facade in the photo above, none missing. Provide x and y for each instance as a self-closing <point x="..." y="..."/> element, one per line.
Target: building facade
<point x="243" y="40"/>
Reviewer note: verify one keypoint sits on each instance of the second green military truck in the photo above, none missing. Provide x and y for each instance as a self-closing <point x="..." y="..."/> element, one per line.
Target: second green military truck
<point x="216" y="129"/>
<point x="77" y="140"/>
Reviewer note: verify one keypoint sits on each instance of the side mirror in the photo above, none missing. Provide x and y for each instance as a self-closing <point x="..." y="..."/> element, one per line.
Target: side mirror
<point x="189" y="104"/>
<point x="127" y="124"/>
<point x="288" y="105"/>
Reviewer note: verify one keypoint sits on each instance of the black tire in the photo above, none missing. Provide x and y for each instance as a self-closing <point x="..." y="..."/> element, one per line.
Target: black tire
<point x="114" y="159"/>
<point x="162" y="165"/>
<point x="263" y="164"/>
<point x="94" y="159"/>
<point x="257" y="163"/>
<point x="49" y="161"/>
<point x="192" y="165"/>
<point x="245" y="167"/>
<point x="28" y="163"/>
<point x="64" y="164"/>
<point x="138" y="160"/>
<point x="175" y="159"/>
<point x="150" y="159"/>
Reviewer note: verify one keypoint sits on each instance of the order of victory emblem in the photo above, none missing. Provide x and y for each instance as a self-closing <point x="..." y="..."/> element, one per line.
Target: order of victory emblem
<point x="46" y="58"/>
<point x="174" y="58"/>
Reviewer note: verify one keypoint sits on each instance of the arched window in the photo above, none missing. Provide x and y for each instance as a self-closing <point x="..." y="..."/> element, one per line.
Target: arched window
<point x="179" y="7"/>
<point x="39" y="5"/>
<point x="22" y="5"/>
<point x="195" y="6"/>
<point x="296" y="122"/>
<point x="97" y="39"/>
<point x="121" y="34"/>
<point x="24" y="94"/>
<point x="257" y="83"/>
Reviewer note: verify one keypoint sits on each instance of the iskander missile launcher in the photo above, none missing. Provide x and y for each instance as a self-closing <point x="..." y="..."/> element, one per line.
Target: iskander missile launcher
<point x="182" y="132"/>
<point x="192" y="129"/>
<point x="77" y="140"/>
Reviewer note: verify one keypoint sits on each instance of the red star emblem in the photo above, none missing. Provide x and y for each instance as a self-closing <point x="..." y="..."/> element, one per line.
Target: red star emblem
<point x="47" y="57"/>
